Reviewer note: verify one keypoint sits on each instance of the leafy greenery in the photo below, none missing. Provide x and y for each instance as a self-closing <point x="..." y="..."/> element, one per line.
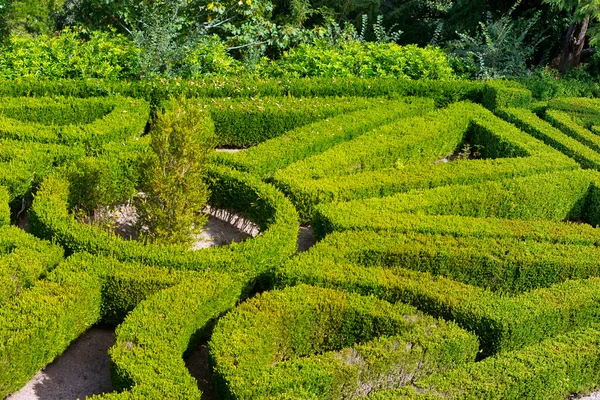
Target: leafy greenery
<point x="174" y="192"/>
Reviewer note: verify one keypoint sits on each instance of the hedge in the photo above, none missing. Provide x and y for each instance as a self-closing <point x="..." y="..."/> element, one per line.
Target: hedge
<point x="501" y="322"/>
<point x="502" y="94"/>
<point x="23" y="260"/>
<point x="540" y="129"/>
<point x="127" y="118"/>
<point x="40" y="322"/>
<point x="297" y="341"/>
<point x="87" y="289"/>
<point x="247" y="122"/>
<point x="501" y="264"/>
<point x="552" y="369"/>
<point x="297" y="144"/>
<point x="562" y="121"/>
<point x="479" y="127"/>
<point x="555" y="196"/>
<point x="576" y="105"/>
<point x="445" y="92"/>
<point x="461" y="226"/>
<point x="417" y="139"/>
<point x="56" y="110"/>
<point x="263" y="204"/>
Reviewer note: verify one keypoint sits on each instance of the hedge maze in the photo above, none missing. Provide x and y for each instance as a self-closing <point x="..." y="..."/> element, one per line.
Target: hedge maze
<point x="457" y="255"/>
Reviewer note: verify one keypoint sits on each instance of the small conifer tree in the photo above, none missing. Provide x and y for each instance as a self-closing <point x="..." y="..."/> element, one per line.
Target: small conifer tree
<point x="174" y="192"/>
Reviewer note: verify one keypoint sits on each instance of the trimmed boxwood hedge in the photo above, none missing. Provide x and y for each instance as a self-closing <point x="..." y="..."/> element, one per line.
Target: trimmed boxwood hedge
<point x="23" y="260"/>
<point x="501" y="322"/>
<point x="87" y="289"/>
<point x="544" y="131"/>
<point x="296" y="341"/>
<point x="262" y="203"/>
<point x="127" y="118"/>
<point x="445" y="92"/>
<point x="247" y="122"/>
<point x="497" y="138"/>
<point x="56" y="110"/>
<point x="561" y="120"/>
<point x="297" y="144"/>
<point x="146" y="360"/>
<point x="556" y="196"/>
<point x="552" y="369"/>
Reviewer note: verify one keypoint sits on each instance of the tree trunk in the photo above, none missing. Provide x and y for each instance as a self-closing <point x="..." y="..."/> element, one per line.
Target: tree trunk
<point x="573" y="45"/>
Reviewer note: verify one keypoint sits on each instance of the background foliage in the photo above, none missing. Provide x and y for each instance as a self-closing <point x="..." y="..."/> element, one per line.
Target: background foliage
<point x="127" y="39"/>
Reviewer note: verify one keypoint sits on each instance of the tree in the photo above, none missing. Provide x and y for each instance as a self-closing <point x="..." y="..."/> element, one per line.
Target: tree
<point x="174" y="191"/>
<point x="584" y="13"/>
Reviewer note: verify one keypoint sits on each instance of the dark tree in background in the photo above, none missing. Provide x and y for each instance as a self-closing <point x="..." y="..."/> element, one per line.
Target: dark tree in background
<point x="583" y="14"/>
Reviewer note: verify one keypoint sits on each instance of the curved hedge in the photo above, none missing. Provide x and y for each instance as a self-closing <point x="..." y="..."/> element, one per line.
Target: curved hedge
<point x="357" y="262"/>
<point x="84" y="290"/>
<point x="128" y="117"/>
<point x="263" y="204"/>
<point x="295" y="342"/>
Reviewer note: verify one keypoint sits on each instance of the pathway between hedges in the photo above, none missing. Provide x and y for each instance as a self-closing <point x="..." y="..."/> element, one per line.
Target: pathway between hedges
<point x="83" y="369"/>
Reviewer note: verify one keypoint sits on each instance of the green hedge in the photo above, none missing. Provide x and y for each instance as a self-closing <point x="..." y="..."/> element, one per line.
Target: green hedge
<point x="562" y="121"/>
<point x="496" y="138"/>
<point x="127" y="118"/>
<point x="56" y="110"/>
<point x="576" y="105"/>
<point x="555" y="196"/>
<point x="40" y="323"/>
<point x="23" y="165"/>
<point x="417" y="139"/>
<point x="296" y="341"/>
<point x="552" y="369"/>
<point x="503" y="94"/>
<point x="87" y="289"/>
<point x="460" y="226"/>
<point x="540" y="129"/>
<point x="297" y="144"/>
<point x="445" y="92"/>
<point x="500" y="264"/>
<point x="263" y="204"/>
<point x="146" y="360"/>
<point x="247" y="122"/>
<point x="23" y="260"/>
<point x="501" y="322"/>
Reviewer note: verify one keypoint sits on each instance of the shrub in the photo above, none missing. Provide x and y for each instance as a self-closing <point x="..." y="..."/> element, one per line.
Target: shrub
<point x="247" y="122"/>
<point x="330" y="175"/>
<point x="104" y="55"/>
<point x="364" y="60"/>
<point x="126" y="119"/>
<point x="355" y="262"/>
<point x="555" y="196"/>
<point x="302" y="142"/>
<point x="174" y="192"/>
<point x="50" y="218"/>
<point x="544" y="131"/>
<point x="295" y="341"/>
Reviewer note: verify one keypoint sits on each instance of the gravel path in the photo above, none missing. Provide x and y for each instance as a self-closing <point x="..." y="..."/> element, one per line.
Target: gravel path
<point x="81" y="371"/>
<point x="593" y="396"/>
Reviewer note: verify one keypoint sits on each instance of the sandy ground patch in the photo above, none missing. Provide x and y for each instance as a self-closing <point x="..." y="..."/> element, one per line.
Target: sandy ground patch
<point x="81" y="371"/>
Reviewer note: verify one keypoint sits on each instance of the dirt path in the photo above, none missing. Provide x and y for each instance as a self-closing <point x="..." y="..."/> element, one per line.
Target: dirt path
<point x="81" y="371"/>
